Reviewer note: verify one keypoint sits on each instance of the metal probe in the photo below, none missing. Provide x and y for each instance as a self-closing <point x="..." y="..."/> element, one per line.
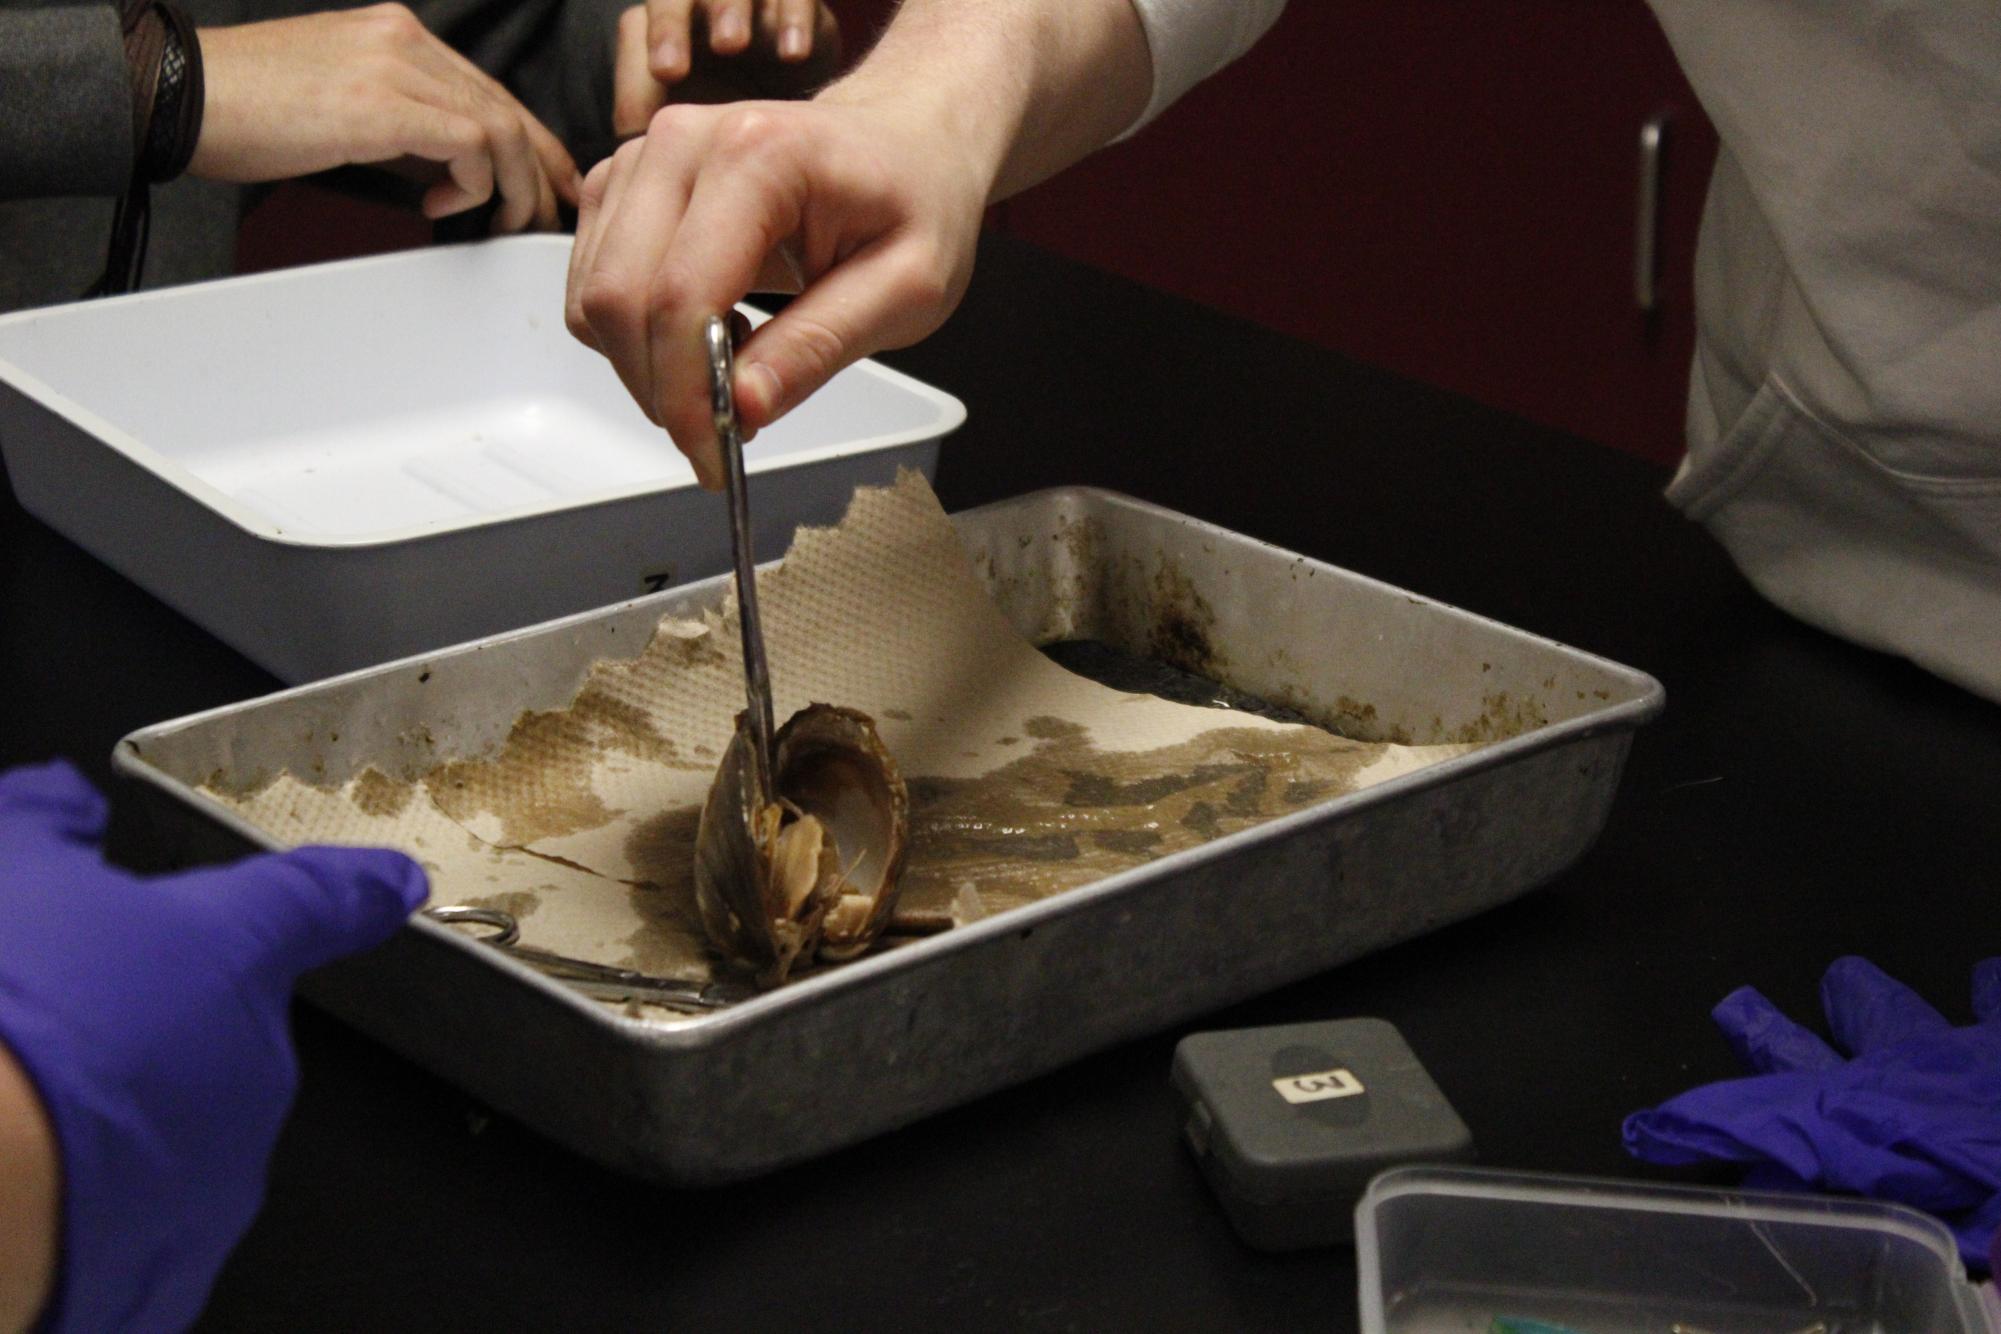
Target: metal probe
<point x="756" y="671"/>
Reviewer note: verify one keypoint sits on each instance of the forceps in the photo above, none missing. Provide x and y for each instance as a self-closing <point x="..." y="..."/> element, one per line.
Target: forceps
<point x="756" y="672"/>
<point x="596" y="980"/>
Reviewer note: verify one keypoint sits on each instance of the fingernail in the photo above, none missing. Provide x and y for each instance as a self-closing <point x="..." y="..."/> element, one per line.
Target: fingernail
<point x="667" y="55"/>
<point x="730" y="29"/>
<point x="792" y="43"/>
<point x="762" y="383"/>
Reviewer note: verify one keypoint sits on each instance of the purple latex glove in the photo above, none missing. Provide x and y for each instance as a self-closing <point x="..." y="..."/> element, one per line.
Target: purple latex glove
<point x="1913" y="1115"/>
<point x="151" y="1015"/>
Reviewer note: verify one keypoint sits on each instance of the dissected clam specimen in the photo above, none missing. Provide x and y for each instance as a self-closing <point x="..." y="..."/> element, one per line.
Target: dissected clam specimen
<point x="814" y="874"/>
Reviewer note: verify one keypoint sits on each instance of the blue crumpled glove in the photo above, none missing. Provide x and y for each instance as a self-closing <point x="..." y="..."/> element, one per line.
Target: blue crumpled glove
<point x="1914" y="1115"/>
<point x="152" y="1017"/>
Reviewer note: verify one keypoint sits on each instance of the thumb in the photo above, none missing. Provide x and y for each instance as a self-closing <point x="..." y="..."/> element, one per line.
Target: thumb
<point x="313" y="905"/>
<point x="1734" y="1121"/>
<point x="1663" y="1135"/>
<point x="53" y="797"/>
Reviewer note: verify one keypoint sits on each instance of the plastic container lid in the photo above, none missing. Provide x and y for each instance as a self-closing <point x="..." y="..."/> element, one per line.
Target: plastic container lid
<point x="1465" y="1248"/>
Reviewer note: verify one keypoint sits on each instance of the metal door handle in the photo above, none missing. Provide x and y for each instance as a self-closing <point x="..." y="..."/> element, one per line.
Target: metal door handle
<point x="1646" y="244"/>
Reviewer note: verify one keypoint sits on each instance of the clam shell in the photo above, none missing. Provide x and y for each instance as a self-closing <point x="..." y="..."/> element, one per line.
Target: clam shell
<point x="831" y="767"/>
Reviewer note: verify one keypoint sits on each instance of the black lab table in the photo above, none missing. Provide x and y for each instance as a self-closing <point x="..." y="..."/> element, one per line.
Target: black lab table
<point x="1799" y="800"/>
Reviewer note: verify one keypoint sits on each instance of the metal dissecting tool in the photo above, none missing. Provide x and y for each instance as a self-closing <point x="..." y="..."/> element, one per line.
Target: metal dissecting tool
<point x="596" y="980"/>
<point x="756" y="671"/>
<point x="720" y="336"/>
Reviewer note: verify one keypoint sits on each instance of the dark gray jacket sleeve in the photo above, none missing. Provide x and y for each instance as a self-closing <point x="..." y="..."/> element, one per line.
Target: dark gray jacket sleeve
<point x="65" y="103"/>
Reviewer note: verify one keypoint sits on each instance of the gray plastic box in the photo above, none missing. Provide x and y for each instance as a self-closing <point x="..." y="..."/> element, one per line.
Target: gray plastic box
<point x="1290" y="1122"/>
<point x="1457" y="1248"/>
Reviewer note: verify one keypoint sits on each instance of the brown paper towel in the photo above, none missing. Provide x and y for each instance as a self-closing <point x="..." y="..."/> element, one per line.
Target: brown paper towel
<point x="1025" y="779"/>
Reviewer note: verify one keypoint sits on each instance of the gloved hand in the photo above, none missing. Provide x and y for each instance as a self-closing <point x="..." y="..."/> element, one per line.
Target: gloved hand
<point x="151" y="1016"/>
<point x="1913" y="1116"/>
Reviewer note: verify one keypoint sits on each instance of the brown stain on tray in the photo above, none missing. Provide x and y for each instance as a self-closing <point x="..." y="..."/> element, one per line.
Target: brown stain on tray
<point x="1182" y="632"/>
<point x="1061" y="816"/>
<point x="378" y="795"/>
<point x="1503" y="715"/>
<point x="668" y="940"/>
<point x="520" y="904"/>
<point x="538" y="785"/>
<point x="1058" y="815"/>
<point x="1066" y="814"/>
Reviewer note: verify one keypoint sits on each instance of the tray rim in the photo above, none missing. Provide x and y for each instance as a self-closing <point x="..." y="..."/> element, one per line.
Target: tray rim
<point x="700" y="1031"/>
<point x="949" y="416"/>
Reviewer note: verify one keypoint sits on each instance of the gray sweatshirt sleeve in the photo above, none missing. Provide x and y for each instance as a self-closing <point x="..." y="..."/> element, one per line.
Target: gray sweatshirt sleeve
<point x="65" y="103"/>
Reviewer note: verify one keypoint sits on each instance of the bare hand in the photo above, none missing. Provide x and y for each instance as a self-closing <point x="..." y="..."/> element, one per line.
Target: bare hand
<point x="30" y="1190"/>
<point x="875" y="216"/>
<point x="786" y="49"/>
<point x="373" y="86"/>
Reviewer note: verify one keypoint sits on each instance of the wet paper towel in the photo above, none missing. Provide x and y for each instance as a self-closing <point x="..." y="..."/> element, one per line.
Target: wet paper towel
<point x="1025" y="779"/>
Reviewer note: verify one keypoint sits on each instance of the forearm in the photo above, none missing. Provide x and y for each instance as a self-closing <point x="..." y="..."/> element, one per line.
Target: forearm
<point x="1027" y="87"/>
<point x="28" y="1198"/>
<point x="65" y="103"/>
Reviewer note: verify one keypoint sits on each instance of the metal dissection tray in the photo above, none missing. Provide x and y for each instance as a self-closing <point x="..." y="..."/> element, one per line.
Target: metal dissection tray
<point x="863" y="1048"/>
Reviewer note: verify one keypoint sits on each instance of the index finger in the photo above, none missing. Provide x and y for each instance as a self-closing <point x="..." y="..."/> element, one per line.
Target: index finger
<point x="644" y="201"/>
<point x="736" y="216"/>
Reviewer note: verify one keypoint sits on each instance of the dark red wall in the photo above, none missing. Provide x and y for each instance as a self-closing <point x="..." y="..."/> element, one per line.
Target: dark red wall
<point x="1443" y="187"/>
<point x="1446" y="188"/>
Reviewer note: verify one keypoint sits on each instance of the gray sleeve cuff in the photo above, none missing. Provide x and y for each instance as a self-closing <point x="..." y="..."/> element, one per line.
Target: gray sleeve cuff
<point x="65" y="103"/>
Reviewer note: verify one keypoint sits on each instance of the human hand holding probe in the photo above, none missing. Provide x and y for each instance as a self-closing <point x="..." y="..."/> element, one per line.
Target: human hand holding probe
<point x="866" y="200"/>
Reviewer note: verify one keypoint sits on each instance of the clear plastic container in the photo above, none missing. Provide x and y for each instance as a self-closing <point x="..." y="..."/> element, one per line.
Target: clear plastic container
<point x="1462" y="1249"/>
